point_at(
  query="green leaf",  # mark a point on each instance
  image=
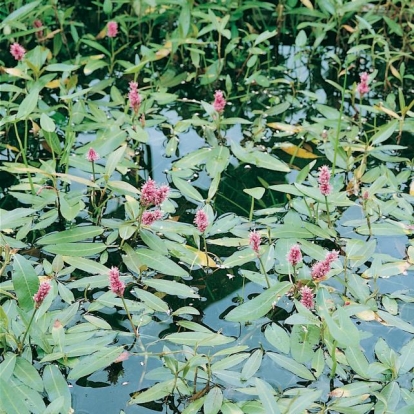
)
(292, 366)
(76, 249)
(158, 262)
(198, 339)
(13, 218)
(7, 366)
(260, 305)
(61, 67)
(73, 235)
(384, 132)
(256, 192)
(213, 401)
(278, 337)
(9, 404)
(56, 386)
(28, 374)
(25, 282)
(217, 161)
(187, 189)
(359, 251)
(252, 365)
(303, 402)
(28, 104)
(406, 357)
(98, 322)
(87, 265)
(95, 362)
(357, 360)
(266, 396)
(396, 321)
(239, 258)
(171, 287)
(156, 392)
(152, 301)
(20, 13)
(56, 406)
(47, 123)
(31, 398)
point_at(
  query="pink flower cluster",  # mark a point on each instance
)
(42, 292)
(112, 29)
(201, 221)
(92, 155)
(151, 194)
(321, 269)
(148, 217)
(295, 255)
(134, 97)
(307, 297)
(324, 178)
(17, 51)
(38, 23)
(254, 241)
(362, 86)
(117, 286)
(219, 101)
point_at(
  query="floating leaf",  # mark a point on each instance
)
(213, 401)
(260, 305)
(75, 249)
(292, 366)
(266, 396)
(158, 262)
(95, 362)
(171, 287)
(156, 392)
(73, 235)
(56, 386)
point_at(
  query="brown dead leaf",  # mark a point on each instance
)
(293, 129)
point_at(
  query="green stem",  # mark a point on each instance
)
(327, 212)
(21, 345)
(264, 271)
(135, 330)
(23, 150)
(251, 210)
(341, 111)
(334, 362)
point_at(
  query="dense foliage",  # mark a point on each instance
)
(217, 196)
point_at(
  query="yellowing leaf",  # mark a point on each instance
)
(16, 72)
(53, 84)
(412, 188)
(285, 127)
(395, 72)
(307, 4)
(348, 28)
(387, 111)
(367, 315)
(292, 149)
(165, 51)
(202, 258)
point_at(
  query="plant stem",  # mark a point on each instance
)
(23, 150)
(21, 345)
(341, 111)
(129, 317)
(264, 271)
(327, 212)
(334, 362)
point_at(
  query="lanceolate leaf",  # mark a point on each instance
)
(25, 282)
(260, 305)
(171, 287)
(95, 362)
(71, 236)
(265, 392)
(56, 386)
(156, 392)
(158, 262)
(8, 402)
(292, 366)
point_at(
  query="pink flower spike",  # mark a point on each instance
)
(321, 269)
(332, 256)
(254, 241)
(116, 285)
(324, 178)
(134, 97)
(153, 195)
(148, 217)
(295, 255)
(17, 51)
(92, 155)
(307, 297)
(201, 221)
(219, 101)
(112, 29)
(362, 86)
(42, 292)
(38, 23)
